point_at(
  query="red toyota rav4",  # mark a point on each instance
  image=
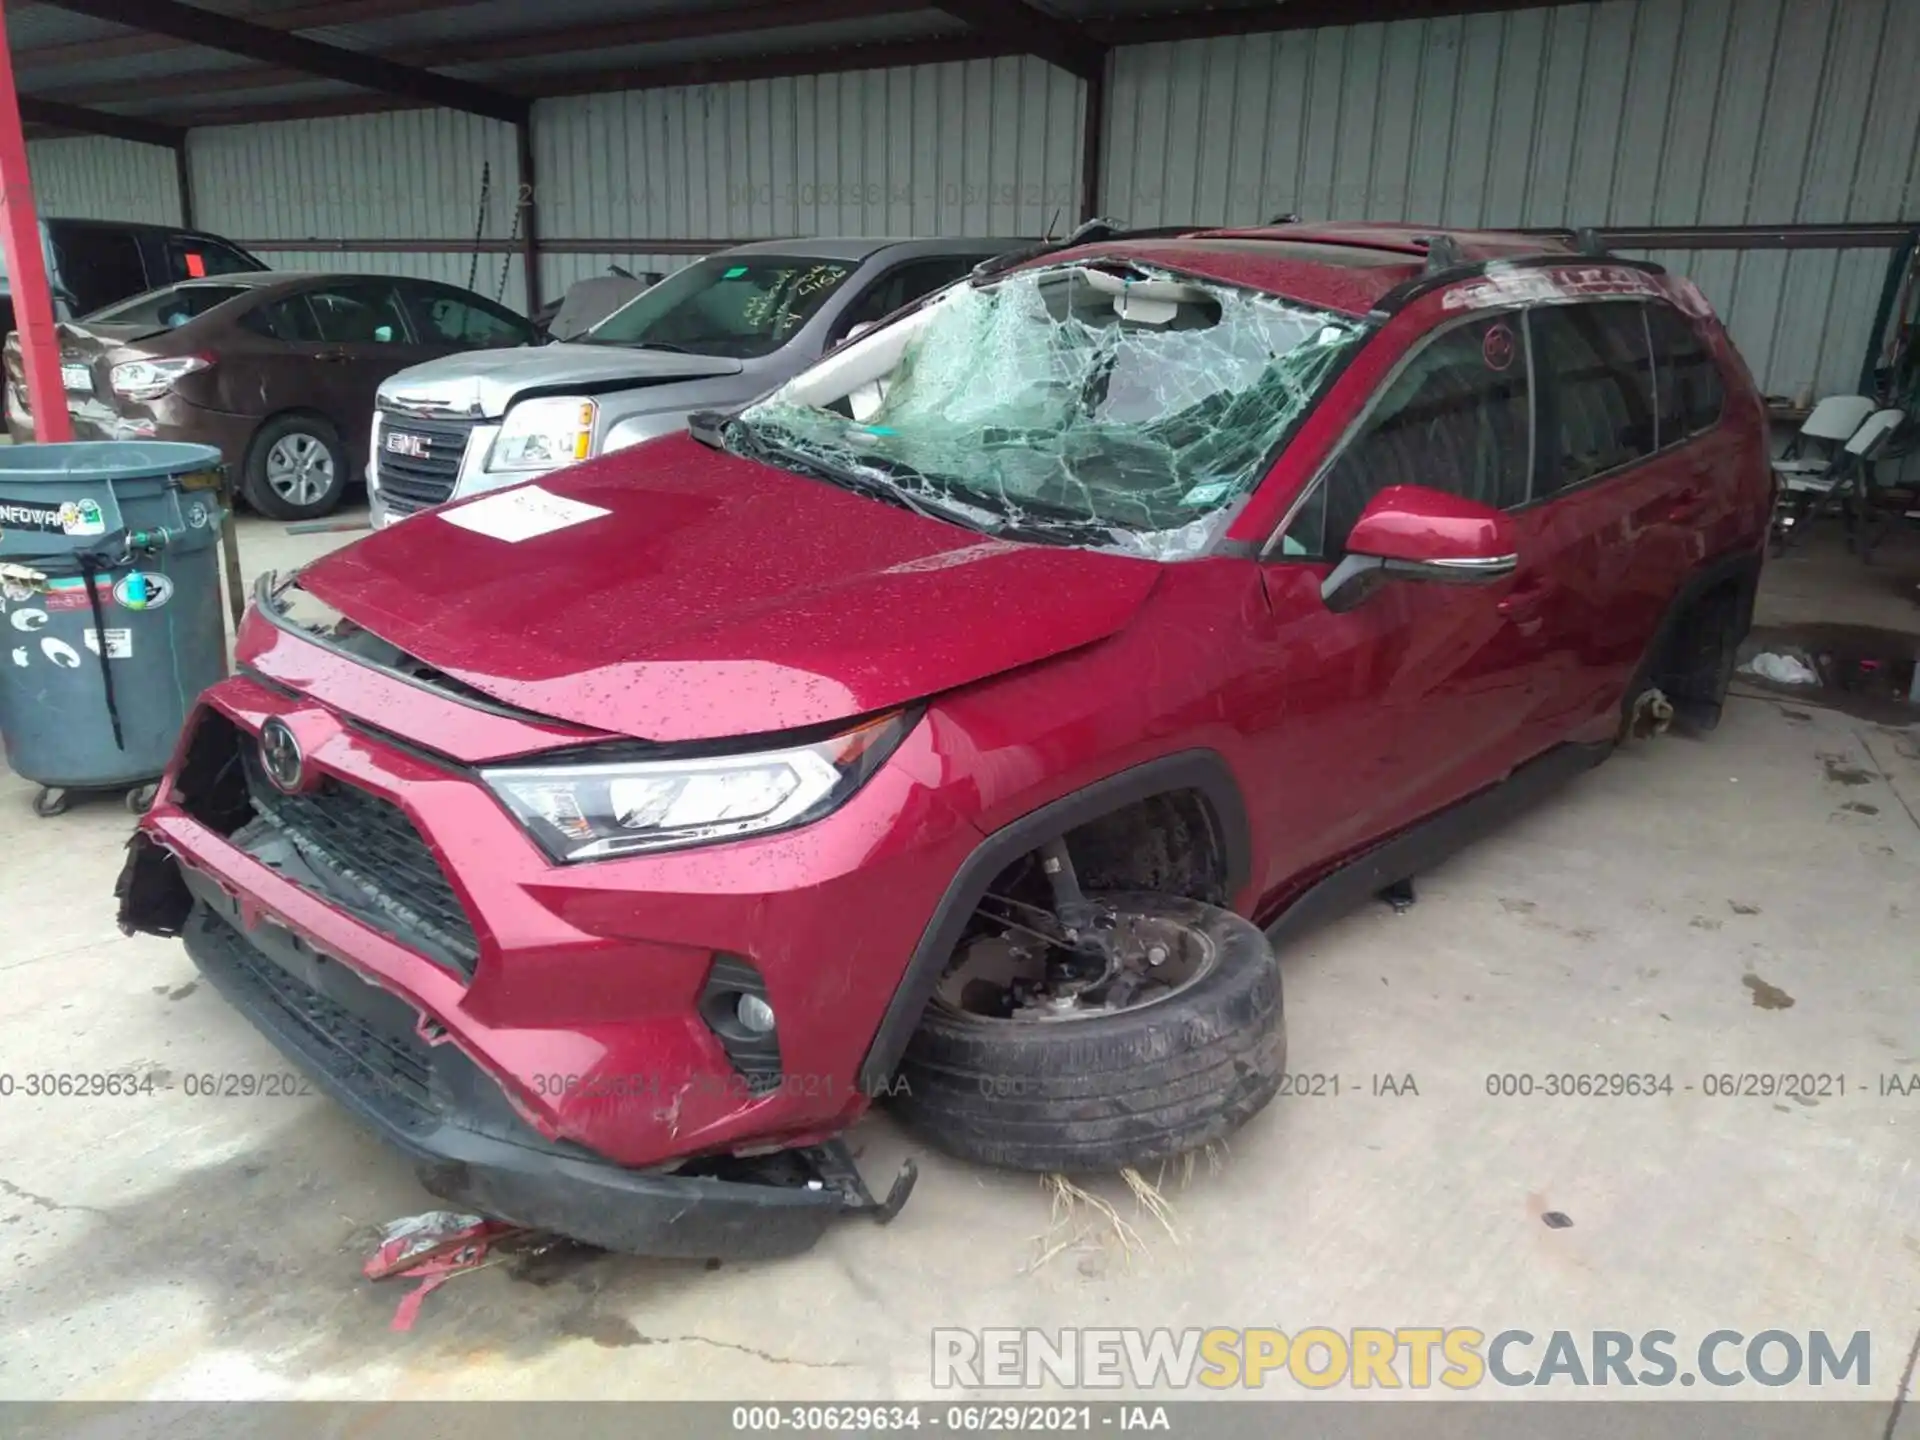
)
(962, 722)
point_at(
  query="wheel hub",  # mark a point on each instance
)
(1119, 961)
(300, 468)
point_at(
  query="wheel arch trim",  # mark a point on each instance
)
(1201, 770)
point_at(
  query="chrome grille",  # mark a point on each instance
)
(412, 482)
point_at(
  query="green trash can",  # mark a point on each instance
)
(110, 621)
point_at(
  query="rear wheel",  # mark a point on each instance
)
(1695, 666)
(296, 468)
(1027, 1062)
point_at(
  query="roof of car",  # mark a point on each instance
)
(261, 279)
(863, 247)
(1341, 267)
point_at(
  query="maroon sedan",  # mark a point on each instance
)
(276, 369)
(961, 722)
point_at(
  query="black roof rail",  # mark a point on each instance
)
(1090, 232)
(1443, 252)
(1431, 279)
(1086, 233)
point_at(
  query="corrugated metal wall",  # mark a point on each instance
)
(411, 174)
(90, 177)
(982, 147)
(1628, 112)
(1624, 112)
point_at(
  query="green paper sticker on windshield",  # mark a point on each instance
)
(735, 273)
(1206, 494)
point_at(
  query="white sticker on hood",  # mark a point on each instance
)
(517, 515)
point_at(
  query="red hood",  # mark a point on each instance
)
(722, 597)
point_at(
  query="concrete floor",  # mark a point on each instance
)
(163, 1246)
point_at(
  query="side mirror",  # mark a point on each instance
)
(858, 330)
(1409, 532)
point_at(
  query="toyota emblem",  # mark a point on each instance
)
(280, 755)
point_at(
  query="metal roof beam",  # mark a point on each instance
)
(39, 58)
(1149, 29)
(651, 29)
(553, 40)
(657, 77)
(1058, 42)
(296, 52)
(99, 122)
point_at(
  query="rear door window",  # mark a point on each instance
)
(1455, 418)
(98, 266)
(290, 319)
(359, 312)
(1596, 411)
(1690, 393)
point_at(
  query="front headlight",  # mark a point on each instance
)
(544, 434)
(592, 811)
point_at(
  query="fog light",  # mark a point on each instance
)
(755, 1014)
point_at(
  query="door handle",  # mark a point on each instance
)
(333, 355)
(1686, 505)
(1526, 594)
(1522, 605)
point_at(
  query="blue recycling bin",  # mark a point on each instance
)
(110, 621)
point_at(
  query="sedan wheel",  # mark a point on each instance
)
(300, 469)
(295, 469)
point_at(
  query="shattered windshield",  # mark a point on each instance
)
(1107, 405)
(732, 305)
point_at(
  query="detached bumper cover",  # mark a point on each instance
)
(373, 1053)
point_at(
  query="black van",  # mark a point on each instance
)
(93, 263)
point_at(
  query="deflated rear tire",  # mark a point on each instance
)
(1104, 1091)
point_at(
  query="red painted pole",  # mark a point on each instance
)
(27, 265)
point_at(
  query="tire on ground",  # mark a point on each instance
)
(1109, 1091)
(259, 492)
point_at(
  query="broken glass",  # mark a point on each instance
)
(1111, 405)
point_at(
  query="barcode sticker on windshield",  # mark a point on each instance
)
(1206, 494)
(521, 514)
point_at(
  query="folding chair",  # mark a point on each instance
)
(1805, 481)
(1868, 445)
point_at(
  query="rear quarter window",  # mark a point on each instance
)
(1690, 392)
(170, 308)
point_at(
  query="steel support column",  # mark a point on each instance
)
(183, 181)
(529, 201)
(1093, 138)
(26, 264)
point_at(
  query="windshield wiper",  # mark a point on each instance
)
(859, 482)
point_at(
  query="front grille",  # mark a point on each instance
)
(370, 845)
(413, 482)
(389, 1060)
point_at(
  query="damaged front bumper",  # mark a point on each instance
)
(395, 1070)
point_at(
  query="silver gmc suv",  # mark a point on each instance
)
(712, 336)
